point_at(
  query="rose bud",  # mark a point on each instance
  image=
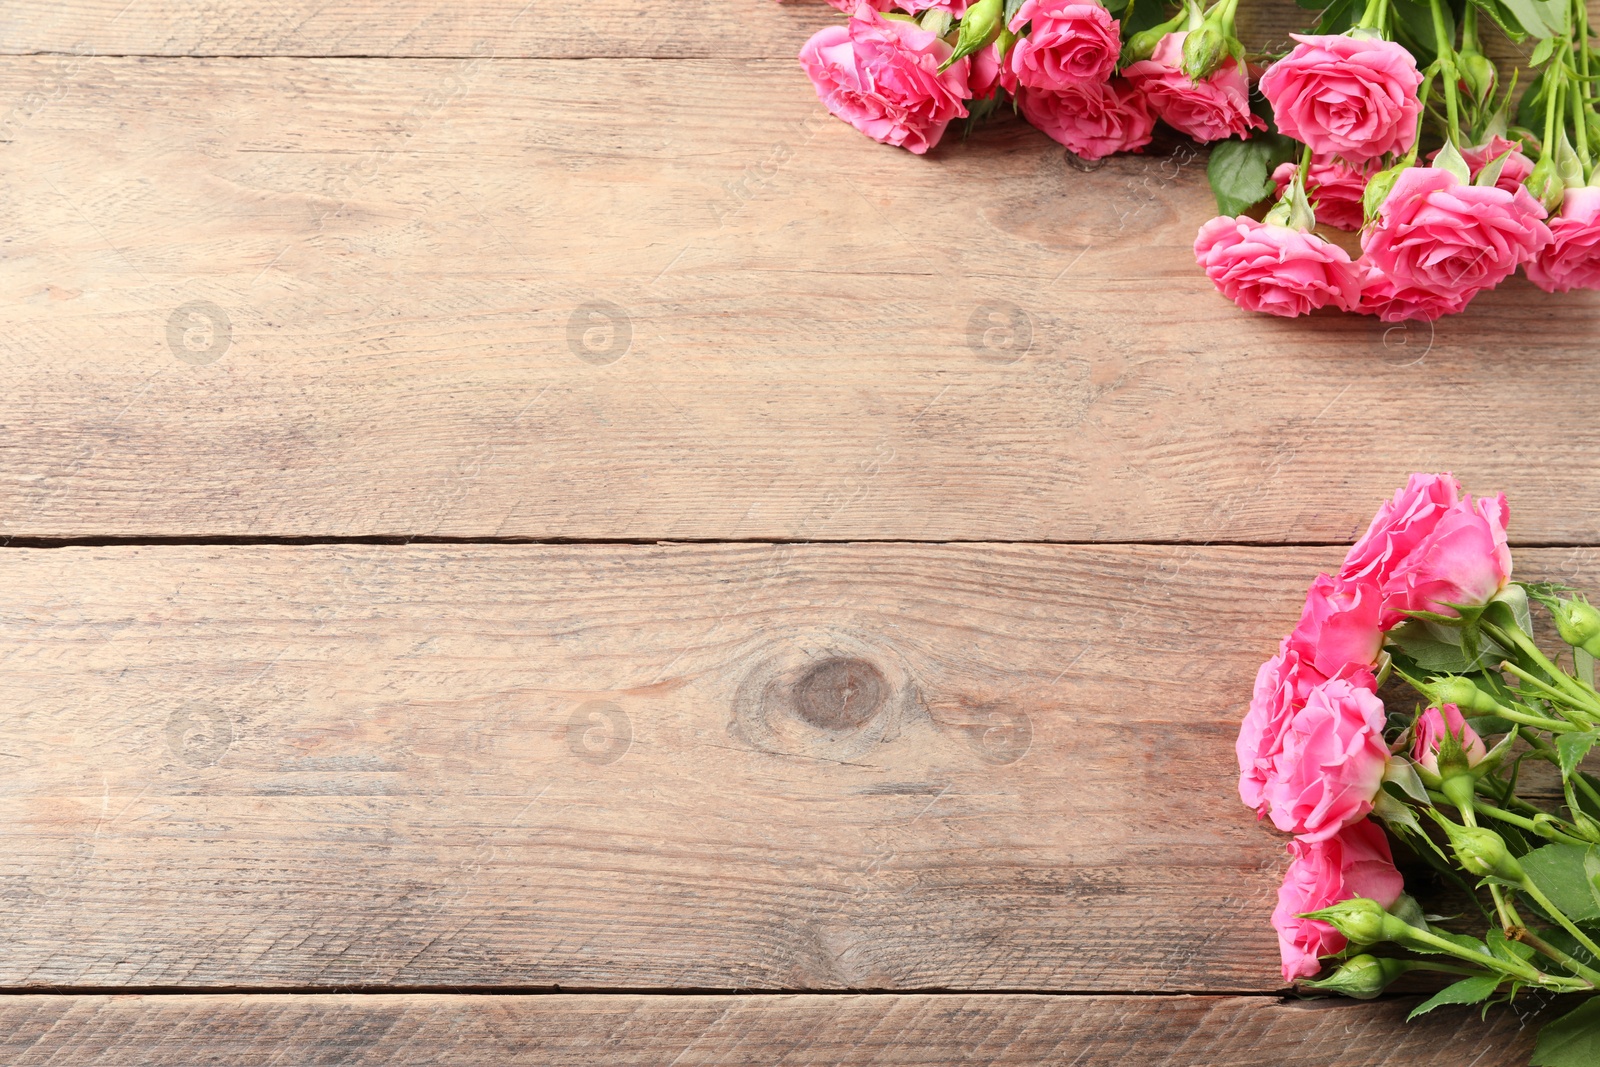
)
(1478, 76)
(1362, 921)
(1462, 693)
(1462, 748)
(1482, 852)
(1578, 623)
(1363, 977)
(1546, 184)
(1203, 49)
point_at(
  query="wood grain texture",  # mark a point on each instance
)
(636, 299)
(774, 1031)
(663, 29)
(714, 767)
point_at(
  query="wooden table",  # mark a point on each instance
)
(527, 542)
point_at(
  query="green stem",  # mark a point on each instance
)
(1581, 128)
(1447, 66)
(1539, 944)
(1375, 17)
(1537, 722)
(1567, 924)
(1524, 643)
(1551, 691)
(1422, 115)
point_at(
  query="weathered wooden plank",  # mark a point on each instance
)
(912, 1029)
(675, 300)
(714, 767)
(506, 28)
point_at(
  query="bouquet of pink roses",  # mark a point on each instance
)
(1333, 133)
(1423, 610)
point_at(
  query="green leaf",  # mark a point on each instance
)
(1541, 18)
(1474, 990)
(1338, 16)
(1571, 748)
(1507, 949)
(1427, 647)
(1011, 8)
(1563, 872)
(1417, 21)
(1572, 1040)
(1241, 171)
(1502, 18)
(1542, 51)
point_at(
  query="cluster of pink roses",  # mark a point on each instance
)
(1431, 237)
(1312, 754)
(893, 78)
(1442, 233)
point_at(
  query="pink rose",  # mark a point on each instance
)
(985, 72)
(1454, 240)
(1335, 188)
(881, 76)
(1350, 96)
(1212, 109)
(1282, 685)
(1338, 628)
(1067, 44)
(1331, 762)
(1572, 259)
(1275, 269)
(1513, 172)
(1356, 862)
(1431, 730)
(1401, 526)
(1093, 119)
(1464, 560)
(1391, 301)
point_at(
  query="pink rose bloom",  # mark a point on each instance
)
(1275, 269)
(1572, 259)
(1338, 629)
(1513, 172)
(1464, 560)
(881, 76)
(1282, 685)
(1331, 762)
(1093, 119)
(1212, 109)
(1455, 240)
(1431, 729)
(1390, 301)
(1355, 862)
(985, 72)
(1334, 187)
(1348, 96)
(1430, 547)
(1067, 44)
(1401, 526)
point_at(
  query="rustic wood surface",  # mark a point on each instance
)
(646, 299)
(762, 766)
(507, 271)
(914, 1030)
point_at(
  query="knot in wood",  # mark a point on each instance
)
(840, 693)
